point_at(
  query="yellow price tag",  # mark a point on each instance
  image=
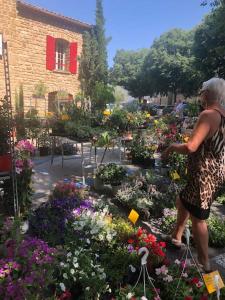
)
(209, 280)
(133, 216)
(175, 175)
(186, 139)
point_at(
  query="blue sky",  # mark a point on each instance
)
(132, 24)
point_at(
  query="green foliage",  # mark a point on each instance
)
(78, 131)
(19, 116)
(32, 123)
(169, 65)
(140, 151)
(87, 66)
(209, 45)
(4, 136)
(192, 109)
(216, 227)
(101, 95)
(123, 228)
(40, 90)
(221, 199)
(111, 174)
(127, 65)
(118, 120)
(102, 41)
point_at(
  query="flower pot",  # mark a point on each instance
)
(44, 151)
(5, 163)
(98, 184)
(115, 189)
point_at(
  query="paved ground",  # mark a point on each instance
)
(47, 174)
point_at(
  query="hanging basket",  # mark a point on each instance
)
(5, 163)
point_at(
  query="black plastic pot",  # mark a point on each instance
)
(145, 163)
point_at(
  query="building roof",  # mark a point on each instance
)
(83, 25)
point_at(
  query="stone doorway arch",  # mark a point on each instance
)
(58, 99)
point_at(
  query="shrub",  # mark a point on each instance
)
(111, 174)
(216, 231)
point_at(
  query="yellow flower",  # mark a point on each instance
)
(175, 176)
(148, 115)
(49, 114)
(65, 117)
(106, 112)
(156, 122)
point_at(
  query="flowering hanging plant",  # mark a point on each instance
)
(144, 239)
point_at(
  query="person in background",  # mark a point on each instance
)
(144, 106)
(205, 169)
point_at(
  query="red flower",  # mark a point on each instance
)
(188, 298)
(139, 232)
(195, 280)
(130, 241)
(151, 238)
(162, 244)
(65, 296)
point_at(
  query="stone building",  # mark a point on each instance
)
(43, 49)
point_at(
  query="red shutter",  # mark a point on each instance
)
(50, 53)
(73, 58)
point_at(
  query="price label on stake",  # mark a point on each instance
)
(175, 175)
(133, 216)
(209, 280)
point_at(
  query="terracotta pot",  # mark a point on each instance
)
(5, 163)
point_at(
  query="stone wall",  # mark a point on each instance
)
(26, 31)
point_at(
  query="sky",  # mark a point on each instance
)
(132, 24)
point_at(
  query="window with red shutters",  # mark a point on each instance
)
(61, 55)
(50, 53)
(73, 58)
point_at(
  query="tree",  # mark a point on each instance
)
(102, 41)
(209, 44)
(88, 62)
(19, 116)
(126, 69)
(169, 65)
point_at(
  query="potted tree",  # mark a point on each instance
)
(5, 157)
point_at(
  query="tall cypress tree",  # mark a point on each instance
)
(101, 62)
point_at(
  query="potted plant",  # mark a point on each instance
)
(111, 174)
(44, 143)
(141, 153)
(5, 158)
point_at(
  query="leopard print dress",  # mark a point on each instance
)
(205, 171)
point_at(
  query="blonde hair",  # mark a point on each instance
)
(216, 87)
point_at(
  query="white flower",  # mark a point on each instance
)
(62, 286)
(74, 259)
(129, 295)
(168, 278)
(177, 262)
(88, 241)
(72, 271)
(185, 275)
(143, 298)
(62, 264)
(76, 265)
(87, 288)
(65, 276)
(69, 254)
(101, 237)
(93, 274)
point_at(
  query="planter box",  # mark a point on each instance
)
(5, 163)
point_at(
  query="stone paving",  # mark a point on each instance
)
(46, 175)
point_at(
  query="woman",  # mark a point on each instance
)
(205, 150)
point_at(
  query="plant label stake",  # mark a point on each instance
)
(145, 271)
(214, 283)
(133, 216)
